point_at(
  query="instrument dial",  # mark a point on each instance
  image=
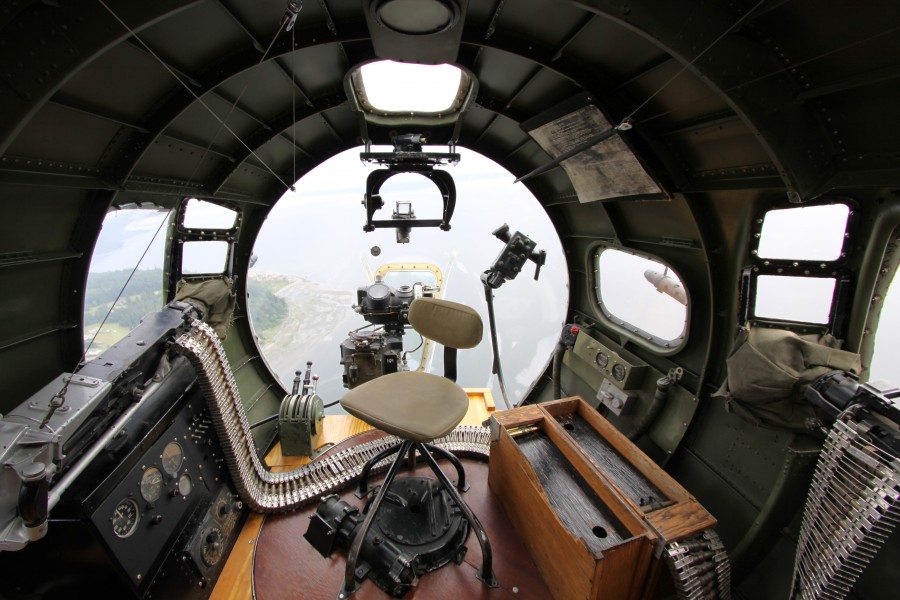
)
(172, 458)
(151, 484)
(618, 372)
(602, 359)
(125, 517)
(185, 484)
(212, 546)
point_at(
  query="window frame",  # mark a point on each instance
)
(653, 343)
(356, 93)
(884, 279)
(179, 234)
(838, 315)
(89, 345)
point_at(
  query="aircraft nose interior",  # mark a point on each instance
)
(717, 190)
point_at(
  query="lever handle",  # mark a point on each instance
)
(539, 258)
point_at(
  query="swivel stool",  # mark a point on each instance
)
(418, 408)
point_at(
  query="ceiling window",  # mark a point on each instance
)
(642, 296)
(389, 88)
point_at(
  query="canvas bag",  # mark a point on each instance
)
(768, 370)
(214, 297)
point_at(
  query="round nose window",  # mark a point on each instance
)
(314, 296)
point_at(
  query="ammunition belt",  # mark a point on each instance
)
(699, 567)
(852, 507)
(268, 492)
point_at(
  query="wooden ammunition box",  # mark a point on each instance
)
(594, 511)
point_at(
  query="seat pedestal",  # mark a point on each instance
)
(353, 575)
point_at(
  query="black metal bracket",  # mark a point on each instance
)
(442, 179)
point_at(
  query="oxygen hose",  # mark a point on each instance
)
(566, 341)
(659, 401)
(557, 368)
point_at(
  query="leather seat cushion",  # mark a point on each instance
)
(411, 405)
(448, 323)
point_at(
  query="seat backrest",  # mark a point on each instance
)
(450, 324)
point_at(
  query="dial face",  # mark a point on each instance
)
(172, 457)
(212, 546)
(125, 517)
(618, 372)
(602, 359)
(151, 484)
(185, 485)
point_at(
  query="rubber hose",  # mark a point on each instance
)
(659, 401)
(557, 368)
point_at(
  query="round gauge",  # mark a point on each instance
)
(618, 372)
(602, 359)
(125, 517)
(172, 457)
(151, 484)
(185, 485)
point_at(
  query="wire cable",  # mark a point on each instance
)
(194, 94)
(791, 67)
(695, 59)
(60, 397)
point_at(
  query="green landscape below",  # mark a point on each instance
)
(143, 295)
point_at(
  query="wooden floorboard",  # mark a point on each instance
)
(235, 581)
(286, 566)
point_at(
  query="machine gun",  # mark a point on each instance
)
(839, 392)
(854, 501)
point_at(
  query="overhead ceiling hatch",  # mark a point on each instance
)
(388, 87)
(395, 94)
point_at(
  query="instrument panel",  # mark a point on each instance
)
(624, 371)
(152, 516)
(169, 502)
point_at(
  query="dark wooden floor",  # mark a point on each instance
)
(286, 566)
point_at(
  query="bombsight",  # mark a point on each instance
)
(370, 353)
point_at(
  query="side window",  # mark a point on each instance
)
(796, 275)
(804, 233)
(205, 238)
(643, 297)
(125, 279)
(804, 299)
(199, 214)
(204, 258)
